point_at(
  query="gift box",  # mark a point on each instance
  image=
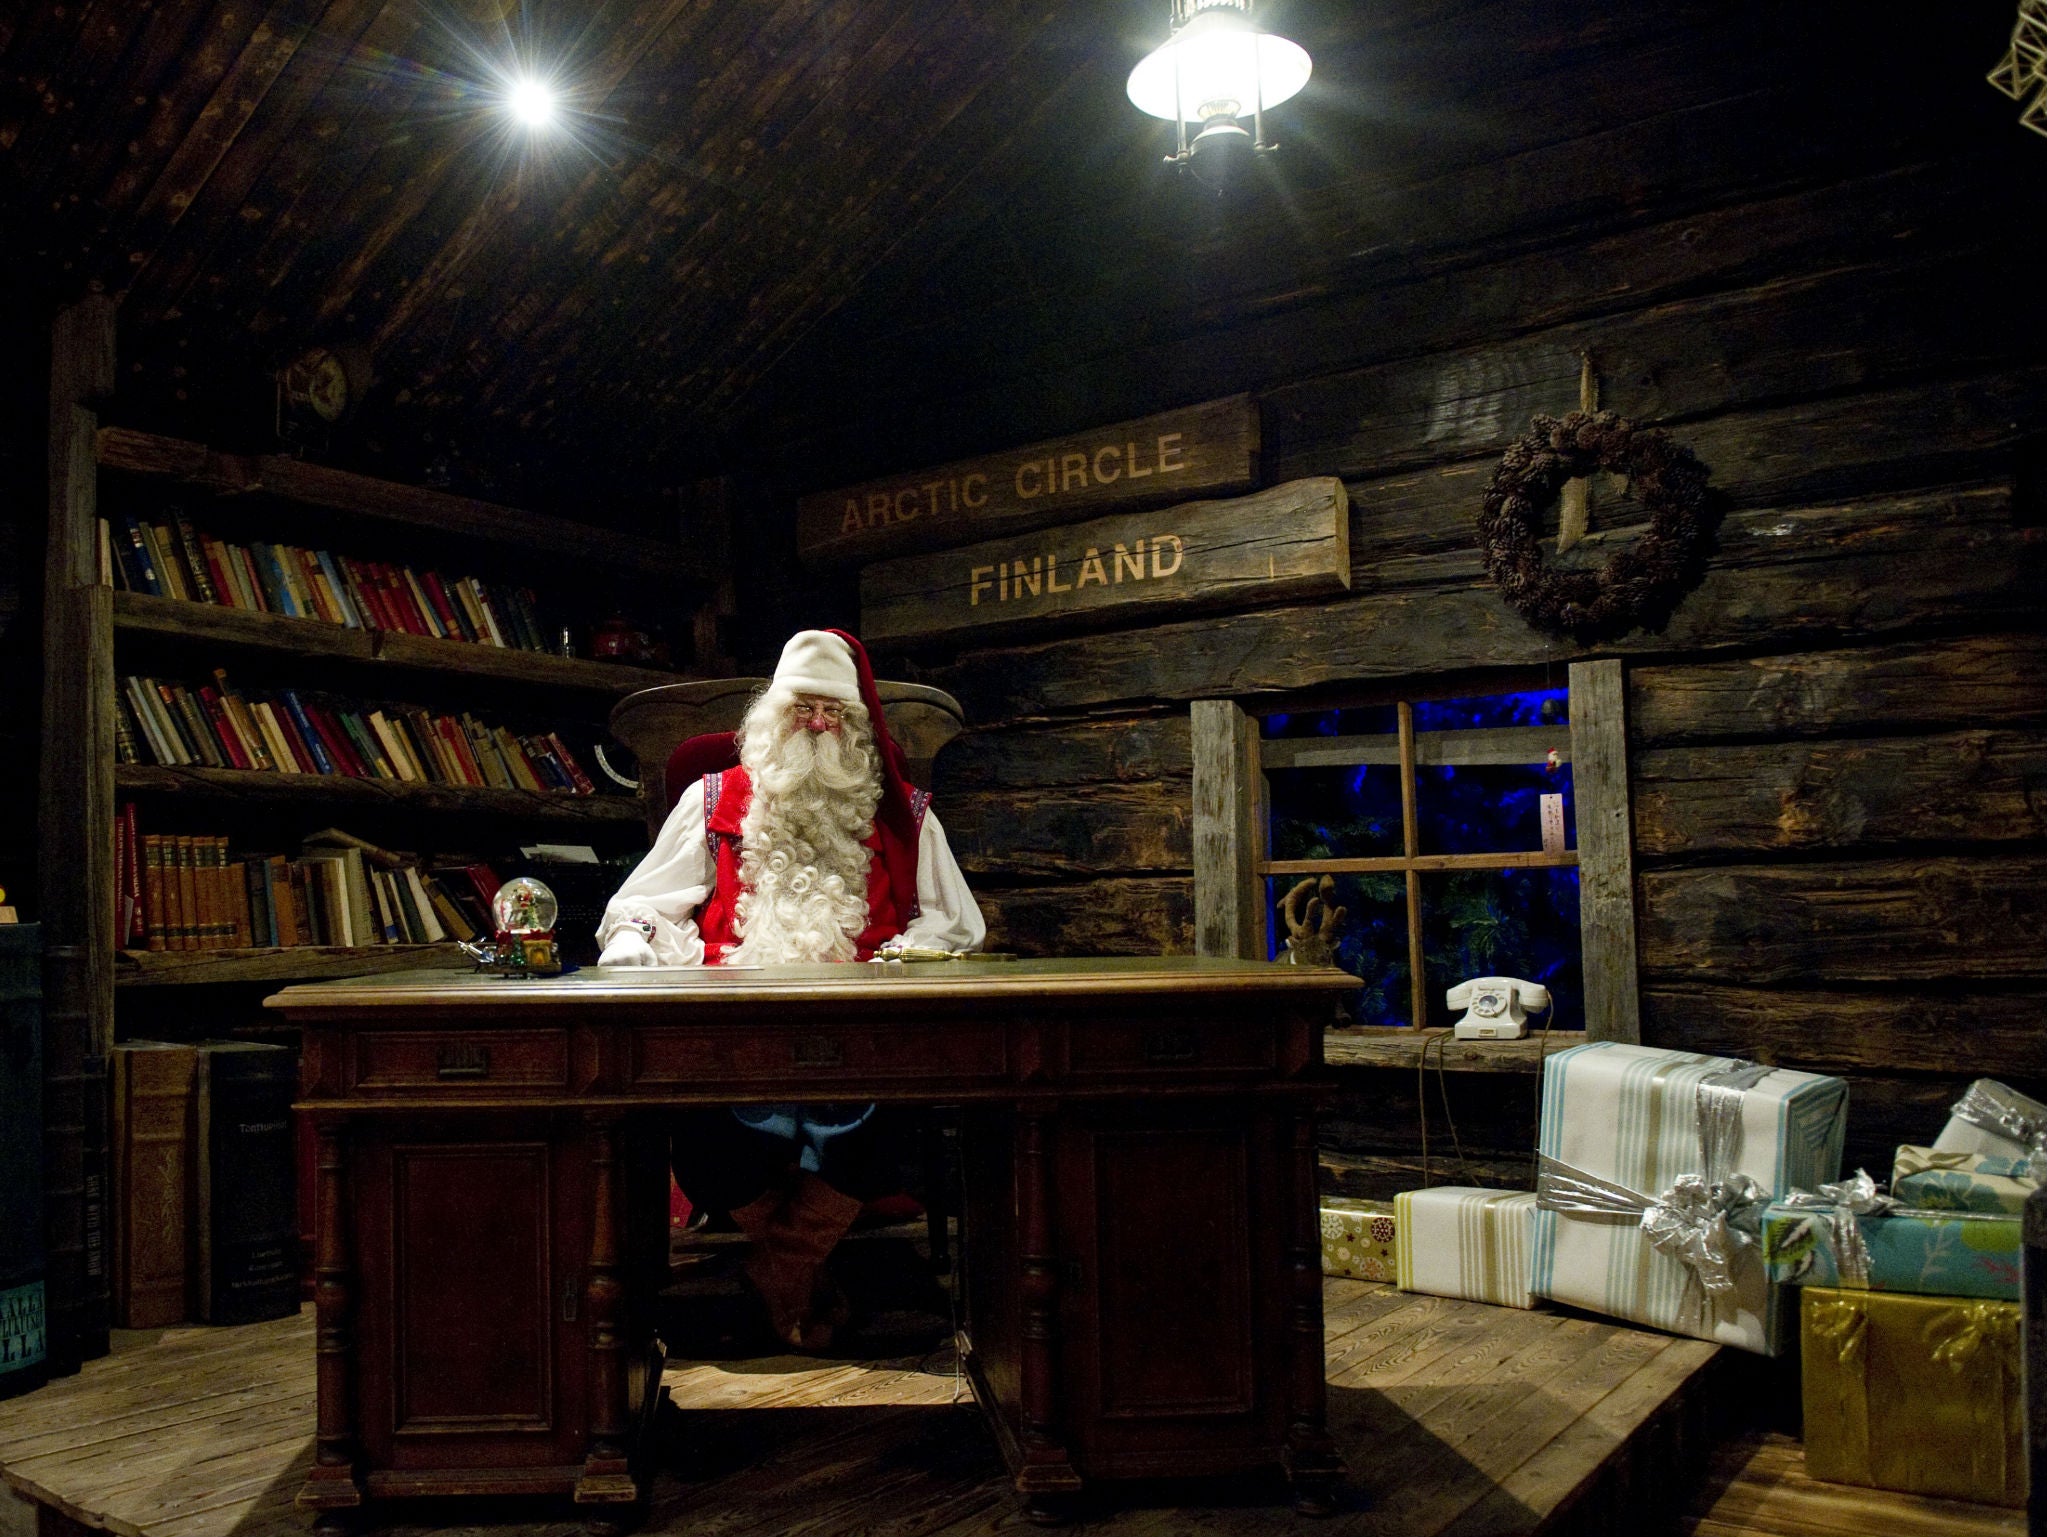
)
(1357, 1239)
(1918, 1394)
(1929, 1253)
(1932, 1180)
(1654, 1169)
(1993, 1118)
(1460, 1241)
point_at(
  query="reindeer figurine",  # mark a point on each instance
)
(1312, 921)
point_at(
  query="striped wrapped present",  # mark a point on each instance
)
(1357, 1239)
(1460, 1241)
(1653, 1171)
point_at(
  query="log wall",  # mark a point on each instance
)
(1837, 746)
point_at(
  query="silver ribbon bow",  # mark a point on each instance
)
(1840, 1203)
(2003, 1111)
(1703, 1221)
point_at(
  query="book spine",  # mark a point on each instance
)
(584, 784)
(422, 602)
(252, 578)
(204, 746)
(195, 559)
(303, 725)
(136, 932)
(145, 563)
(245, 1215)
(184, 896)
(156, 932)
(339, 588)
(217, 568)
(152, 1095)
(223, 728)
(451, 625)
(488, 607)
(157, 537)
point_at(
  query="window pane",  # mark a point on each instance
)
(1504, 923)
(1482, 769)
(1345, 810)
(1371, 943)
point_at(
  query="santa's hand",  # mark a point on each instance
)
(628, 947)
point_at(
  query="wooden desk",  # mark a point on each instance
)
(1144, 1288)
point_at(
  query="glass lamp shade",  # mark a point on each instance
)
(1216, 65)
(525, 906)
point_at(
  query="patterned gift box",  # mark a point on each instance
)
(1932, 1180)
(1918, 1394)
(1357, 1239)
(1695, 1145)
(1993, 1118)
(1928, 1253)
(1460, 1241)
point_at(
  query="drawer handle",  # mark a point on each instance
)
(1173, 1043)
(464, 1061)
(817, 1051)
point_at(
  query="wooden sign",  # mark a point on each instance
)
(1195, 451)
(1292, 541)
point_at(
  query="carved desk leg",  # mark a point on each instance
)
(607, 1479)
(1047, 1480)
(1311, 1457)
(333, 1488)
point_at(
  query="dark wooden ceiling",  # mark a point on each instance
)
(847, 231)
(252, 177)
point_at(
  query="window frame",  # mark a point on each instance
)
(1231, 828)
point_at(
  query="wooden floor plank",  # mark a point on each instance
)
(1759, 1488)
(1459, 1420)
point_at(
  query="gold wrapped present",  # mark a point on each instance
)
(1357, 1239)
(1918, 1394)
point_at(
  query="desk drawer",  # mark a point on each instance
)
(498, 1059)
(1171, 1046)
(813, 1059)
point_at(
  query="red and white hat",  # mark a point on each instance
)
(821, 662)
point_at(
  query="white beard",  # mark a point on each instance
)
(802, 865)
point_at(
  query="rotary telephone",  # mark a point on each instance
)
(1498, 1007)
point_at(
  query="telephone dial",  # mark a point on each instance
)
(1497, 1008)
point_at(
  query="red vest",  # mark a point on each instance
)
(891, 870)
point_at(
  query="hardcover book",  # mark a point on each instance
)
(245, 1209)
(23, 1344)
(152, 1093)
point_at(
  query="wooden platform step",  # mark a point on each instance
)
(1457, 1419)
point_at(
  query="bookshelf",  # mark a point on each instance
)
(96, 634)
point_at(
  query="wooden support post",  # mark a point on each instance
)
(1047, 1479)
(1229, 897)
(333, 1485)
(1312, 1461)
(76, 845)
(1606, 862)
(607, 1478)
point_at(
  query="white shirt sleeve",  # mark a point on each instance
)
(669, 886)
(950, 918)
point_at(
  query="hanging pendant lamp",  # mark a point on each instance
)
(1214, 68)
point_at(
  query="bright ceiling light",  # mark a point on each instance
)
(1215, 67)
(531, 102)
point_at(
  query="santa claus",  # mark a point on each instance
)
(815, 848)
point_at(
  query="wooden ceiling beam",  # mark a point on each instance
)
(708, 283)
(730, 152)
(633, 29)
(517, 270)
(311, 165)
(222, 198)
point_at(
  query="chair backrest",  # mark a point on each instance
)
(694, 757)
(652, 721)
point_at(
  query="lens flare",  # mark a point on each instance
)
(531, 102)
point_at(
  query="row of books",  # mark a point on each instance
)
(293, 731)
(174, 560)
(187, 891)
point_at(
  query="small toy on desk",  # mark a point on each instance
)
(525, 911)
(1497, 1007)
